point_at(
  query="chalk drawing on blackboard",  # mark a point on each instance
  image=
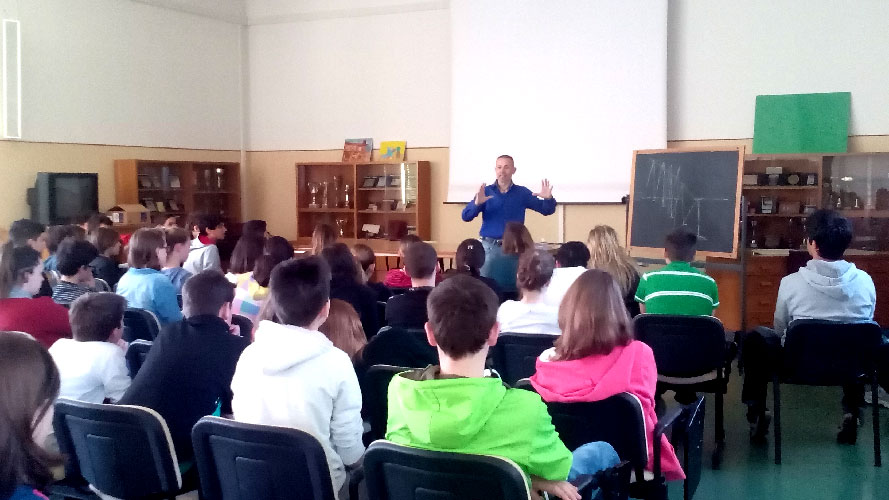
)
(664, 186)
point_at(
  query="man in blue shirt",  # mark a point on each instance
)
(503, 202)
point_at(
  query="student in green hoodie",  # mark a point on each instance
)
(457, 407)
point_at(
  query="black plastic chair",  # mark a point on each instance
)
(136, 354)
(376, 390)
(619, 421)
(123, 451)
(691, 354)
(244, 325)
(395, 472)
(239, 461)
(515, 354)
(140, 324)
(829, 353)
(400, 347)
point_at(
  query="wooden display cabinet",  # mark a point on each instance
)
(350, 195)
(181, 188)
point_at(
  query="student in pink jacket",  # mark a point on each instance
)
(596, 358)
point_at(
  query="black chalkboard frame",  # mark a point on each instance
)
(655, 252)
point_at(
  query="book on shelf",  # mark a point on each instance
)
(392, 150)
(358, 150)
(174, 181)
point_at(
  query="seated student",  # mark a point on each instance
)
(456, 407)
(571, 261)
(73, 264)
(502, 268)
(190, 366)
(26, 413)
(828, 288)
(368, 262)
(678, 288)
(408, 310)
(343, 328)
(25, 232)
(178, 247)
(345, 285)
(531, 314)
(21, 275)
(596, 358)
(607, 254)
(105, 266)
(92, 364)
(204, 254)
(469, 259)
(94, 221)
(251, 289)
(398, 278)
(323, 236)
(248, 248)
(143, 285)
(293, 376)
(55, 235)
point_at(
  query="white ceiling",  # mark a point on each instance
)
(232, 11)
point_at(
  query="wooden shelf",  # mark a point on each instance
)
(787, 216)
(864, 213)
(390, 188)
(388, 212)
(327, 210)
(789, 188)
(215, 192)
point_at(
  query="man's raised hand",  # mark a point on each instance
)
(546, 189)
(481, 197)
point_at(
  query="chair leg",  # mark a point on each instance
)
(719, 430)
(878, 459)
(776, 392)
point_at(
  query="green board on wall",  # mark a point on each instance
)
(802, 123)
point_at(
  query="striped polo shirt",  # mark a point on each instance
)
(678, 288)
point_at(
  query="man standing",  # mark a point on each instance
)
(503, 202)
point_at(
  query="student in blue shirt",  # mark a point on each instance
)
(143, 285)
(503, 202)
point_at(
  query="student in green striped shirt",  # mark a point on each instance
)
(678, 288)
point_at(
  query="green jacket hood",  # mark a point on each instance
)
(449, 412)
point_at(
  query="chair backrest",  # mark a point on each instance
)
(395, 472)
(376, 391)
(244, 324)
(818, 352)
(239, 461)
(123, 451)
(136, 354)
(515, 354)
(400, 347)
(140, 324)
(617, 420)
(102, 285)
(684, 346)
(688, 442)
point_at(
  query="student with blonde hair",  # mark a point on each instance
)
(322, 237)
(596, 358)
(607, 254)
(343, 328)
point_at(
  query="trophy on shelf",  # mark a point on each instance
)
(220, 180)
(337, 187)
(325, 190)
(341, 226)
(314, 189)
(347, 196)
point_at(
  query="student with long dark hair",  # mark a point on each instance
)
(596, 358)
(469, 259)
(251, 289)
(29, 386)
(346, 285)
(21, 276)
(248, 248)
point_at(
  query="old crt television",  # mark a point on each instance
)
(59, 198)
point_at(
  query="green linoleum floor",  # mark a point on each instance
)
(814, 465)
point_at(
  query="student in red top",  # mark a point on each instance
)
(21, 274)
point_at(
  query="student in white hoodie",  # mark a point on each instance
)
(827, 288)
(293, 376)
(203, 254)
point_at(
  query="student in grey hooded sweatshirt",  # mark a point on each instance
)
(827, 288)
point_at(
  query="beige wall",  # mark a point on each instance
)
(269, 183)
(20, 162)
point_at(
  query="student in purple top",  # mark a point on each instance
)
(503, 202)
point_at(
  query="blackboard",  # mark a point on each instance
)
(694, 188)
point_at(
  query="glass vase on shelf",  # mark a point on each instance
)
(337, 187)
(325, 194)
(347, 196)
(220, 179)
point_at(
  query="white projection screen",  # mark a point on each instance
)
(569, 88)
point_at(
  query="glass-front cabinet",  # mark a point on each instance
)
(857, 185)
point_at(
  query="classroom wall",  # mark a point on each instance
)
(126, 73)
